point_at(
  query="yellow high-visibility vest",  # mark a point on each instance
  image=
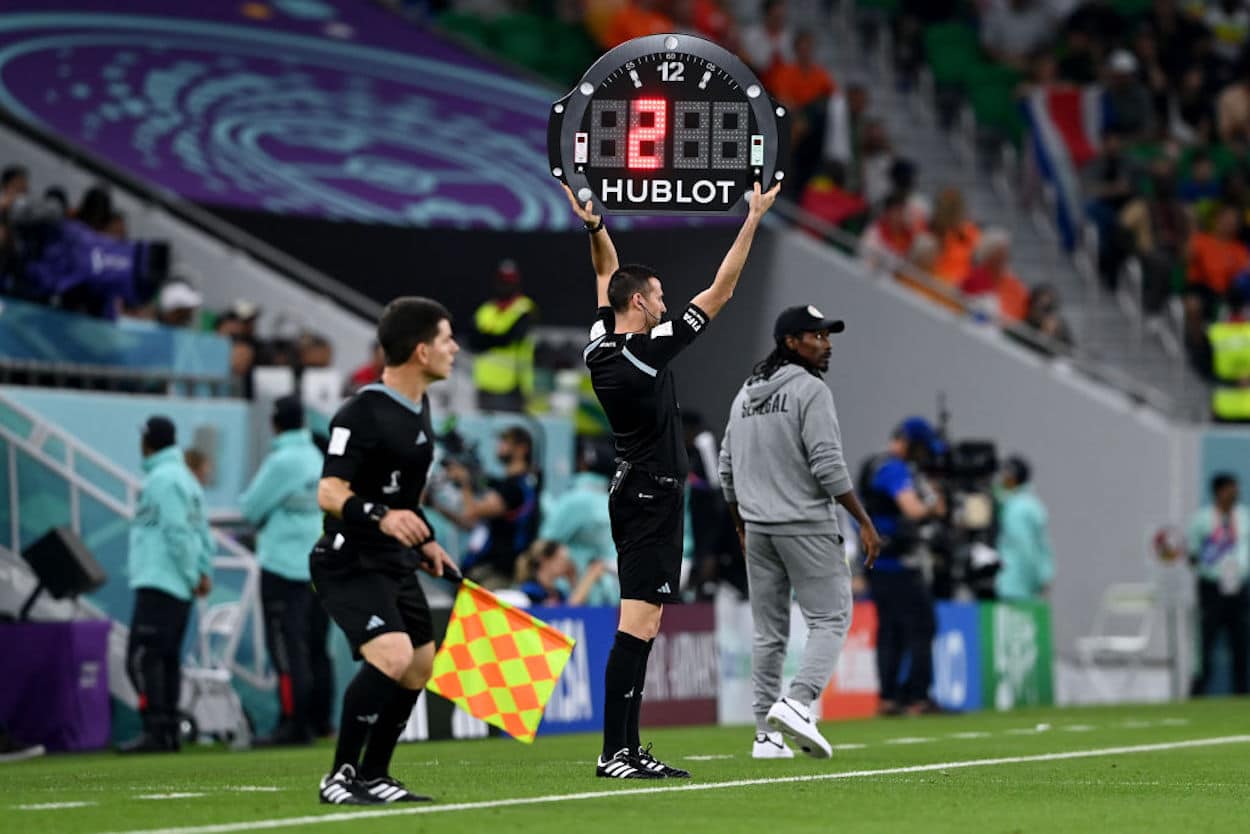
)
(507, 368)
(1230, 350)
(1231, 403)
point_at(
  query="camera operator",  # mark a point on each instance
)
(509, 508)
(899, 500)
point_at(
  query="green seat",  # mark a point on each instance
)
(521, 38)
(466, 26)
(991, 93)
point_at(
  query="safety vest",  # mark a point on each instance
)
(1230, 350)
(504, 369)
(1231, 404)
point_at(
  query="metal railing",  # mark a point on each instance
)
(1090, 367)
(37, 442)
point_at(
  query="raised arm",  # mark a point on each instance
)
(602, 252)
(717, 296)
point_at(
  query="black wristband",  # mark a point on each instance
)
(592, 229)
(357, 510)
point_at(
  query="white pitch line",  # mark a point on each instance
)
(293, 822)
(708, 758)
(1023, 731)
(1174, 722)
(849, 746)
(53, 806)
(1079, 728)
(254, 789)
(168, 795)
(970, 734)
(908, 740)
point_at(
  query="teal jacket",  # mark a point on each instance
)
(579, 520)
(281, 501)
(1220, 547)
(171, 545)
(1023, 546)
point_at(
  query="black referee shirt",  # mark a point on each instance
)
(635, 386)
(382, 444)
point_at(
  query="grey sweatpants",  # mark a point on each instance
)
(815, 568)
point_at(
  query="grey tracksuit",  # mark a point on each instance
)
(781, 462)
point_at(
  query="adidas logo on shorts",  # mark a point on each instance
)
(376, 622)
(664, 589)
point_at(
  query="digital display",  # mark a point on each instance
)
(667, 124)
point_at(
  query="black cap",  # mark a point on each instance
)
(288, 413)
(159, 433)
(796, 320)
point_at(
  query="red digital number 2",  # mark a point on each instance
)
(653, 134)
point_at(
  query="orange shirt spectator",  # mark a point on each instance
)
(992, 279)
(954, 260)
(635, 20)
(798, 85)
(891, 234)
(1216, 259)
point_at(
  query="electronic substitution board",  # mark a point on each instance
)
(668, 124)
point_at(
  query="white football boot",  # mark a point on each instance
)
(795, 720)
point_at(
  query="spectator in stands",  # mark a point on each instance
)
(315, 351)
(636, 19)
(1155, 228)
(14, 184)
(1128, 105)
(367, 373)
(547, 575)
(771, 40)
(238, 321)
(1191, 115)
(201, 466)
(578, 519)
(1028, 564)
(957, 237)
(95, 209)
(178, 304)
(170, 561)
(890, 237)
(1108, 187)
(242, 361)
(1012, 31)
(1232, 106)
(805, 87)
(827, 197)
(1176, 34)
(993, 288)
(508, 510)
(501, 338)
(1215, 258)
(707, 19)
(1219, 548)
(848, 113)
(923, 257)
(1044, 316)
(116, 227)
(881, 170)
(1202, 186)
(281, 502)
(1229, 22)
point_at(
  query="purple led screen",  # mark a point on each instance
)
(338, 110)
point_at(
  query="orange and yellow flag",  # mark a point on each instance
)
(498, 663)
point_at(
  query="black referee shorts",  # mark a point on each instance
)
(648, 518)
(366, 603)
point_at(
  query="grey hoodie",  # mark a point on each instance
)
(781, 460)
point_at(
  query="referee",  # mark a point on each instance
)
(781, 468)
(631, 346)
(363, 568)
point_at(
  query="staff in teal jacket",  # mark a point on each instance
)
(1028, 566)
(170, 561)
(281, 502)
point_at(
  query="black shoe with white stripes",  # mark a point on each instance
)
(654, 765)
(625, 765)
(389, 789)
(343, 788)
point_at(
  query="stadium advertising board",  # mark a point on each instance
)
(1016, 655)
(682, 677)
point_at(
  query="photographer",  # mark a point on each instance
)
(898, 501)
(508, 507)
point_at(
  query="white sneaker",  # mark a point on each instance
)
(771, 746)
(795, 720)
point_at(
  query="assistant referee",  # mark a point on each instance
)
(363, 568)
(631, 346)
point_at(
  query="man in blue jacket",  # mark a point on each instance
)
(281, 502)
(170, 561)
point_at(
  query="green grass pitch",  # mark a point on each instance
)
(1167, 768)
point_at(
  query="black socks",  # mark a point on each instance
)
(632, 739)
(622, 692)
(366, 699)
(386, 733)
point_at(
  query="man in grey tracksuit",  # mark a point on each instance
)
(781, 468)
